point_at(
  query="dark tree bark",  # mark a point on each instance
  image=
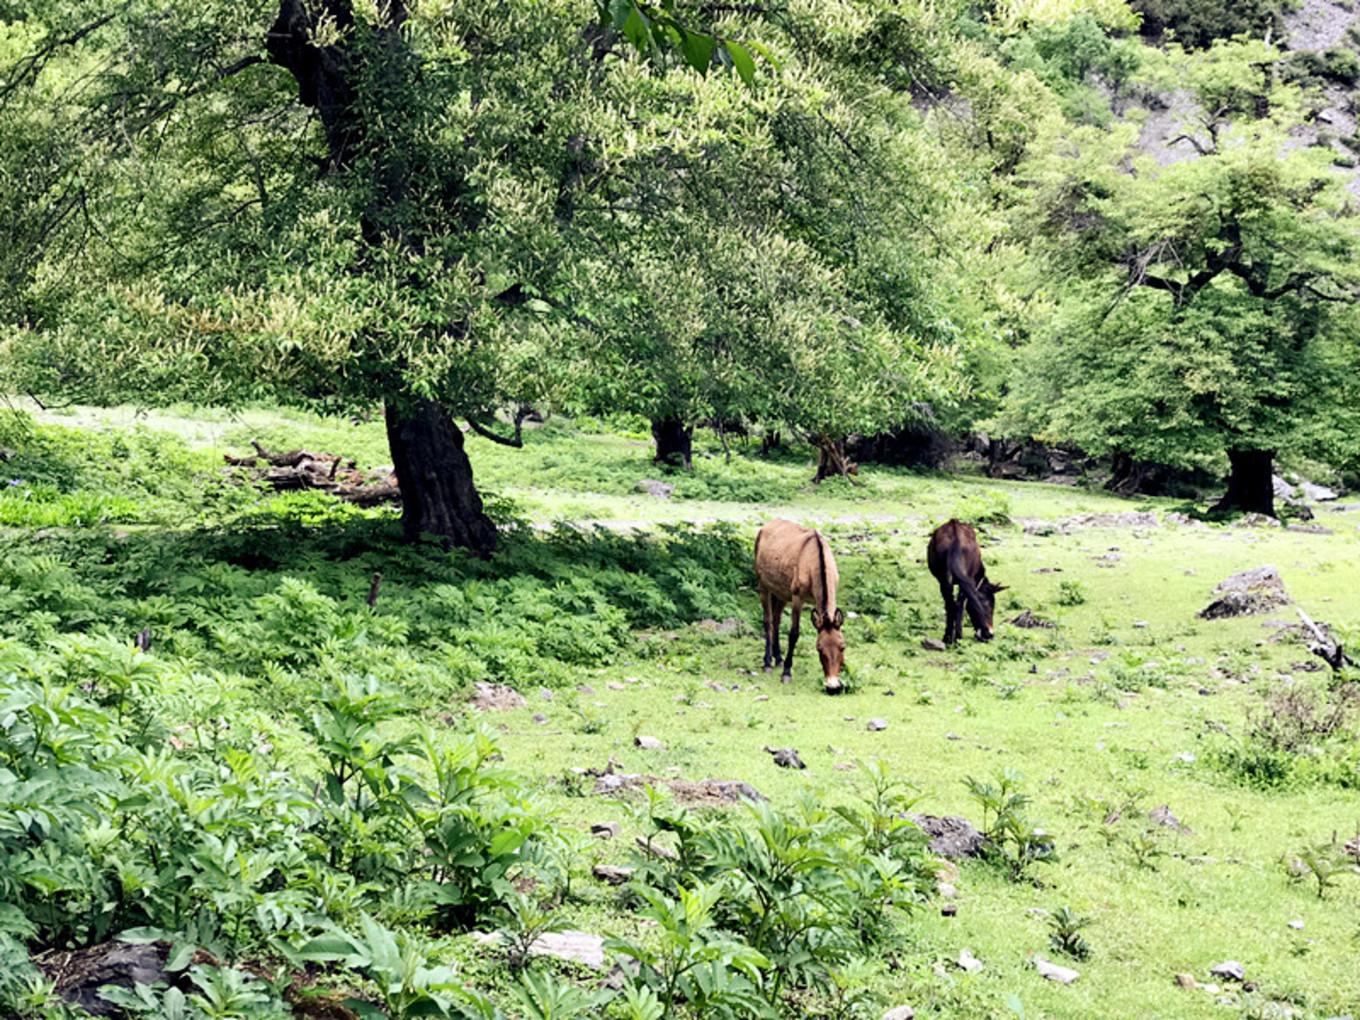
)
(435, 477)
(673, 442)
(832, 460)
(1250, 485)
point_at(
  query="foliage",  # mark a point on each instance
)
(1065, 933)
(1208, 300)
(1011, 838)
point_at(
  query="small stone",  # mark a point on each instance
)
(540, 719)
(762, 697)
(952, 736)
(1162, 816)
(967, 961)
(586, 689)
(786, 757)
(611, 874)
(900, 1013)
(649, 743)
(1230, 970)
(947, 891)
(876, 724)
(605, 830)
(1211, 989)
(1296, 925)
(1140, 624)
(614, 685)
(1186, 980)
(931, 644)
(1053, 972)
(656, 849)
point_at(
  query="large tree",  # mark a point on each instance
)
(1203, 309)
(429, 205)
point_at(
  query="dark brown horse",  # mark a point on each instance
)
(794, 565)
(955, 559)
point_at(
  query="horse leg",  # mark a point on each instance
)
(767, 604)
(947, 591)
(958, 616)
(795, 614)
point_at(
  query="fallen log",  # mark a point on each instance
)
(1331, 653)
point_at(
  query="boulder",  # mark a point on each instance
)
(949, 836)
(1259, 590)
(495, 697)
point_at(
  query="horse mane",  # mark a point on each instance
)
(821, 562)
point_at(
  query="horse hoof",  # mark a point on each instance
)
(769, 669)
(786, 678)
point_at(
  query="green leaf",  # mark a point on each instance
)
(742, 62)
(698, 50)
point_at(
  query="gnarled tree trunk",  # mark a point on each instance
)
(1251, 484)
(435, 476)
(832, 460)
(673, 442)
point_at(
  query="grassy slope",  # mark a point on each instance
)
(1083, 745)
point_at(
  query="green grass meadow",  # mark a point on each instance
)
(612, 612)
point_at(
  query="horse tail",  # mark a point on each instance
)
(960, 575)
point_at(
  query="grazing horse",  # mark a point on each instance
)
(794, 565)
(955, 559)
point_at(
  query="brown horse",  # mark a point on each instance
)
(954, 559)
(794, 565)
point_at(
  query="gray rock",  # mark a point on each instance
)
(652, 849)
(875, 725)
(79, 975)
(949, 836)
(900, 1013)
(1296, 925)
(577, 946)
(1253, 591)
(495, 697)
(612, 874)
(947, 891)
(649, 743)
(1163, 816)
(1062, 975)
(540, 719)
(1230, 970)
(932, 644)
(614, 685)
(605, 830)
(786, 757)
(967, 961)
(655, 487)
(1265, 577)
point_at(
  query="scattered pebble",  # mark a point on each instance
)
(967, 961)
(649, 743)
(605, 830)
(900, 1013)
(1229, 969)
(614, 685)
(1186, 980)
(1053, 972)
(540, 719)
(585, 689)
(876, 724)
(612, 874)
(1296, 925)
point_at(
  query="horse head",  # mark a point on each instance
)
(830, 646)
(982, 621)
